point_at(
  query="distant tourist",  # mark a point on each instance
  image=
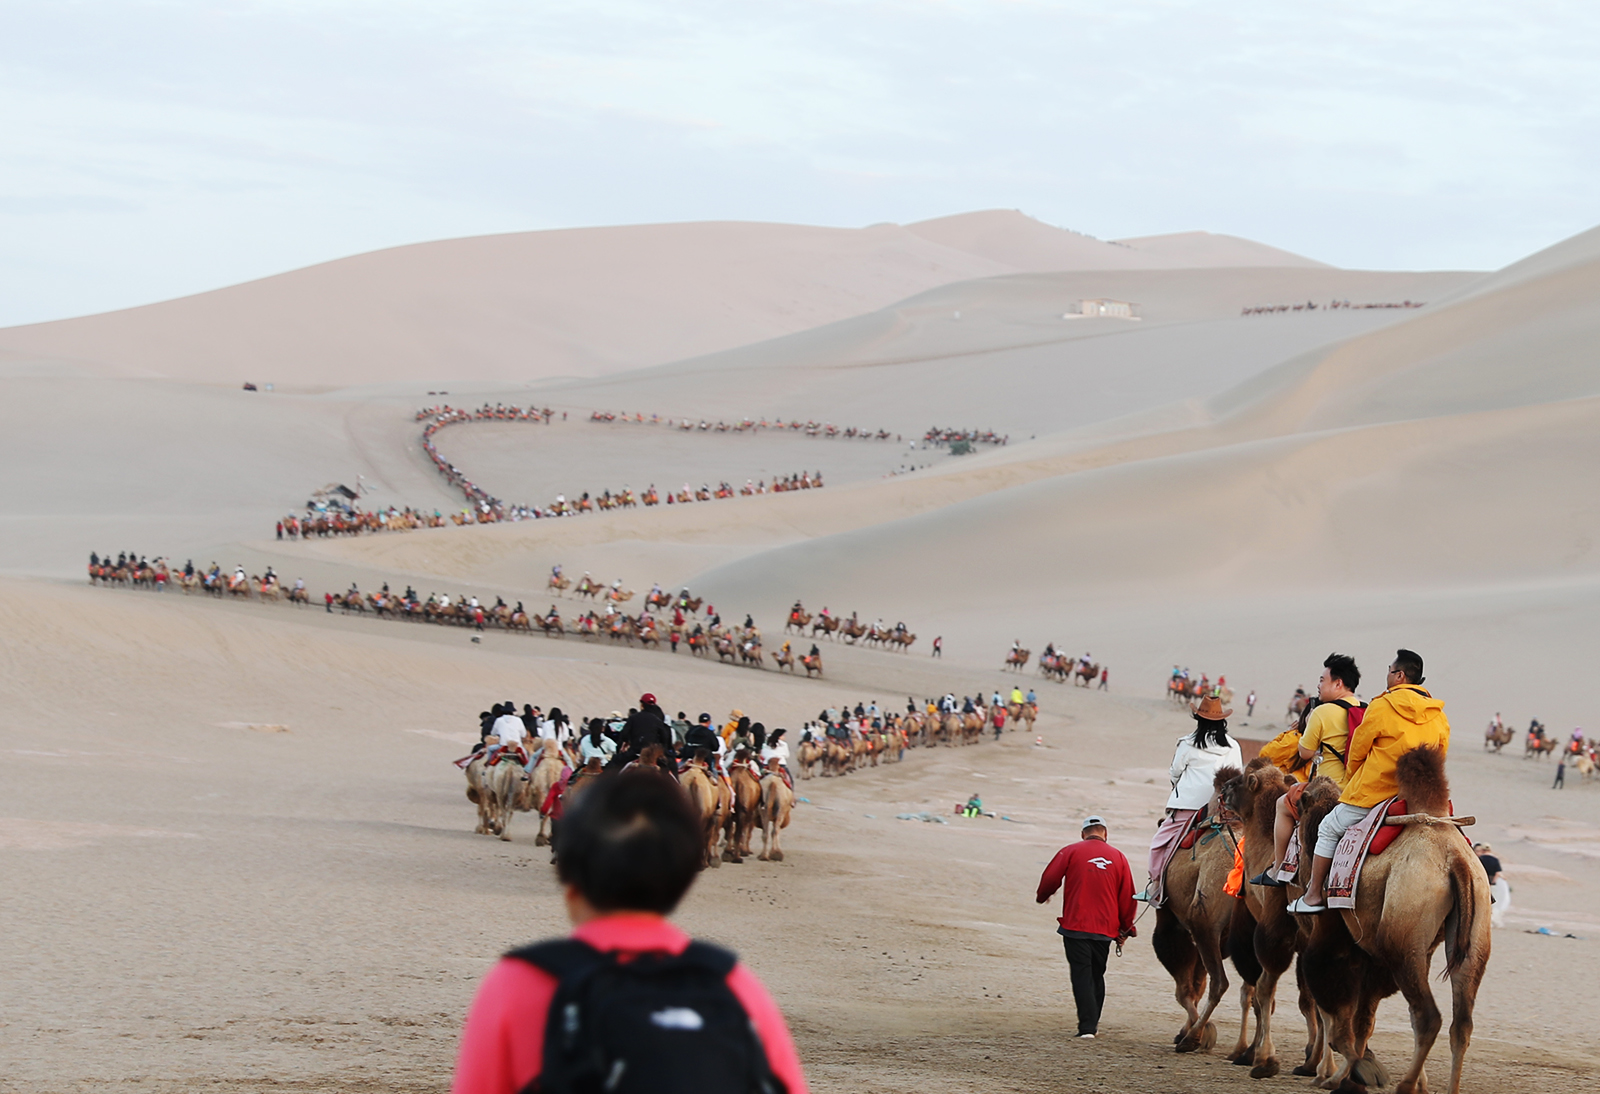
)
(643, 1007)
(1499, 890)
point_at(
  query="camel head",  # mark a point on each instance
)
(1258, 788)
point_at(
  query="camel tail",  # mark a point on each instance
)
(1458, 943)
(1421, 779)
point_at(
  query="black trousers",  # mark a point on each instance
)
(1086, 957)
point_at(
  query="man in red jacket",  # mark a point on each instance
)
(1097, 909)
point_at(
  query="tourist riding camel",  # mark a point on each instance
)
(1318, 750)
(1195, 762)
(1403, 718)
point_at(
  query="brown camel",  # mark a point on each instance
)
(1192, 926)
(546, 773)
(706, 799)
(1265, 936)
(777, 802)
(1425, 889)
(741, 822)
(1023, 713)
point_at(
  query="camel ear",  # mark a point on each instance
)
(1252, 783)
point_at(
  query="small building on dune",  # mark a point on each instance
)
(1108, 309)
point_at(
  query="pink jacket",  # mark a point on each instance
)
(502, 1046)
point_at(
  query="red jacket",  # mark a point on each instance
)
(1098, 896)
(502, 1047)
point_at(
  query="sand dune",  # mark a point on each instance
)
(537, 304)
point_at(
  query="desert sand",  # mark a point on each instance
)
(235, 848)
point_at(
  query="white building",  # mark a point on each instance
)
(1107, 309)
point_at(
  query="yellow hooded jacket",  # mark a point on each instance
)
(1397, 721)
(1283, 752)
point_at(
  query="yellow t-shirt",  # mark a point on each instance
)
(1329, 724)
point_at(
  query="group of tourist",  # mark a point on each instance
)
(746, 425)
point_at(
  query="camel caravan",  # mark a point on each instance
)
(1356, 878)
(736, 781)
(852, 631)
(1059, 666)
(484, 508)
(746, 425)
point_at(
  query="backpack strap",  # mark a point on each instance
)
(1354, 714)
(562, 958)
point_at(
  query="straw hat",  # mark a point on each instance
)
(1210, 710)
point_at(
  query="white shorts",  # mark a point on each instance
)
(1333, 826)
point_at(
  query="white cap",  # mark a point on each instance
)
(1094, 820)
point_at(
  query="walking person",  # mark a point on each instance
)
(1096, 910)
(1499, 888)
(1250, 705)
(938, 646)
(642, 1005)
(1561, 773)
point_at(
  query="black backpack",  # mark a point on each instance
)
(658, 1022)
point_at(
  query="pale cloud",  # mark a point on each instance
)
(153, 148)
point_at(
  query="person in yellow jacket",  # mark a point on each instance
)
(1403, 718)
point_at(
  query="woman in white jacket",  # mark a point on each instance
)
(1195, 763)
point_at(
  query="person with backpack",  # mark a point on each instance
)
(1403, 718)
(627, 1003)
(1320, 749)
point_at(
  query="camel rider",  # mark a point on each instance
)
(1033, 700)
(555, 571)
(188, 568)
(1315, 745)
(748, 621)
(815, 652)
(299, 584)
(786, 647)
(1016, 696)
(1403, 718)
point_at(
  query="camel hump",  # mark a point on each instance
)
(1421, 779)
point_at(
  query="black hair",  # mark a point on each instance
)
(630, 843)
(743, 726)
(1410, 665)
(1209, 732)
(772, 740)
(758, 735)
(597, 726)
(1342, 667)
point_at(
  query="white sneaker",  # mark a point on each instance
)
(1085, 1036)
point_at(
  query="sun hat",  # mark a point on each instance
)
(1210, 710)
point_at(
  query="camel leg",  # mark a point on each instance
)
(1425, 1024)
(505, 819)
(1316, 1051)
(766, 839)
(1175, 949)
(1211, 958)
(1463, 994)
(777, 837)
(1243, 1051)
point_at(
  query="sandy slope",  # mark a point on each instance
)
(574, 302)
(307, 909)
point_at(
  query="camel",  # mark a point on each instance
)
(1538, 746)
(1024, 713)
(1192, 926)
(825, 624)
(812, 663)
(1425, 889)
(1496, 739)
(799, 620)
(1265, 936)
(1086, 674)
(546, 773)
(809, 755)
(1017, 659)
(751, 655)
(477, 795)
(777, 802)
(746, 803)
(505, 785)
(706, 798)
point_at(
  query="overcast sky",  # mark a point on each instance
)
(151, 149)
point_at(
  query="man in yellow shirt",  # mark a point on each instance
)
(1318, 749)
(1403, 718)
